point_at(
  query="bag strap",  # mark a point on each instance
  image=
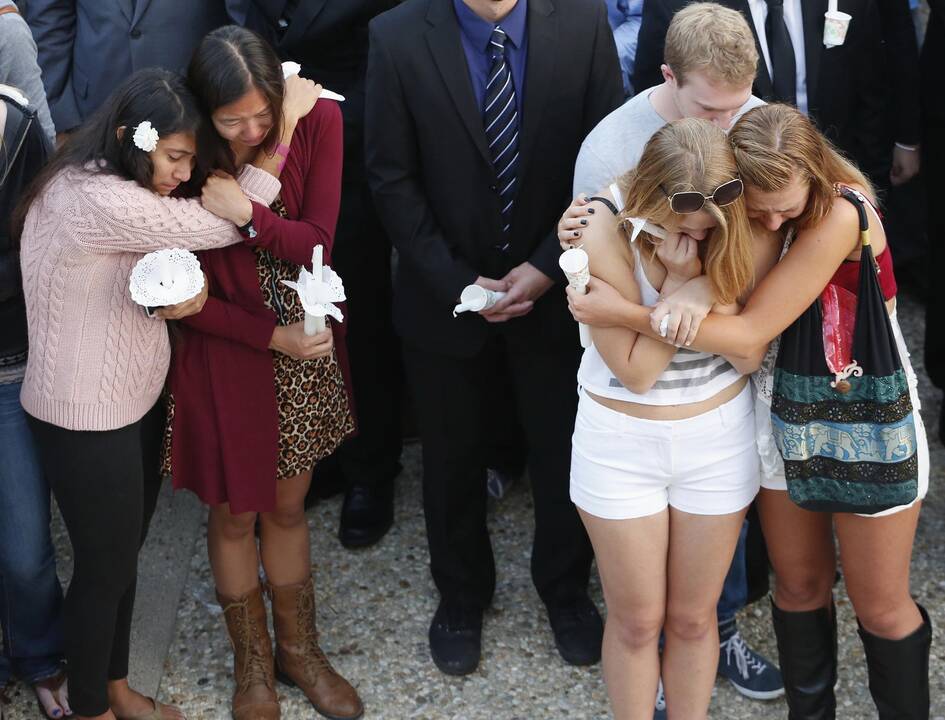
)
(859, 202)
(13, 138)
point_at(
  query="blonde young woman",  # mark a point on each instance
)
(664, 461)
(791, 173)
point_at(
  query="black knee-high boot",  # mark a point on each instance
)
(899, 672)
(807, 651)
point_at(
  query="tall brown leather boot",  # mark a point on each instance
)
(254, 697)
(300, 661)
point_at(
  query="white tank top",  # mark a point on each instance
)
(691, 376)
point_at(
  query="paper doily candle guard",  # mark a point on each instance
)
(318, 290)
(165, 277)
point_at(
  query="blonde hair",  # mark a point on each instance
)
(714, 39)
(693, 154)
(774, 144)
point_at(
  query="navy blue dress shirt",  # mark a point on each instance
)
(475, 34)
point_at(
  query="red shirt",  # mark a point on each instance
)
(847, 275)
(226, 434)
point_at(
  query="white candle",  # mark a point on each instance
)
(576, 267)
(476, 298)
(315, 324)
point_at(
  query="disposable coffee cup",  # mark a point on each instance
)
(836, 24)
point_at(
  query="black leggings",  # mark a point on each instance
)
(106, 485)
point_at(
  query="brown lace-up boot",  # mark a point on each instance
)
(300, 661)
(254, 697)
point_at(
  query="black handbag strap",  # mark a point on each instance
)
(19, 119)
(859, 202)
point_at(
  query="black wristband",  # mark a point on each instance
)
(248, 229)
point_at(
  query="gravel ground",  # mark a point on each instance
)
(375, 606)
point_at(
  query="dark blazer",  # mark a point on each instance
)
(933, 70)
(330, 40)
(88, 47)
(849, 90)
(433, 181)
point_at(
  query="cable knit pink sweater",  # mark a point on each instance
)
(96, 361)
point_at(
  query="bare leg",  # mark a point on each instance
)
(700, 552)
(283, 534)
(801, 549)
(231, 545)
(875, 553)
(631, 560)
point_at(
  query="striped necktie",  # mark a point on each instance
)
(501, 123)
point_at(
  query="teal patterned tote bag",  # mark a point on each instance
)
(848, 437)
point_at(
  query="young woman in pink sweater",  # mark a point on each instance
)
(97, 362)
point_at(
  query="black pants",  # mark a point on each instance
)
(362, 256)
(457, 412)
(106, 485)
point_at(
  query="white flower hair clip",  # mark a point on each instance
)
(145, 137)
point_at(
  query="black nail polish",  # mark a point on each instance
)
(583, 221)
(577, 233)
(590, 211)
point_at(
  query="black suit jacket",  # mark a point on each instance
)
(849, 88)
(933, 70)
(433, 181)
(329, 38)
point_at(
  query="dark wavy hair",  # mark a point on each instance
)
(158, 96)
(229, 62)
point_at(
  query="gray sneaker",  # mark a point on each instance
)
(753, 675)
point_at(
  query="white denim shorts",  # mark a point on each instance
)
(775, 479)
(624, 467)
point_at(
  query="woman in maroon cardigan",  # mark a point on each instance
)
(255, 402)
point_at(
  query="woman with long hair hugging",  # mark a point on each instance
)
(795, 185)
(254, 400)
(664, 462)
(97, 362)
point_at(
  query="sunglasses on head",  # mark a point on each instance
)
(690, 201)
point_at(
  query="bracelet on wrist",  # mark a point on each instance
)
(247, 229)
(907, 148)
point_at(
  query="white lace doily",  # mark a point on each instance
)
(166, 277)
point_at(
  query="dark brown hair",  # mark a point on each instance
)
(154, 95)
(229, 62)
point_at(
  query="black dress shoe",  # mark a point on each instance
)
(456, 638)
(367, 513)
(578, 630)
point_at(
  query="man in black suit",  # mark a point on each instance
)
(933, 155)
(329, 38)
(846, 89)
(476, 110)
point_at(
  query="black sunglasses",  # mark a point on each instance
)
(690, 201)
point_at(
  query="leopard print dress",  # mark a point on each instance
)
(314, 414)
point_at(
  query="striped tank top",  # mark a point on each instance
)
(691, 376)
